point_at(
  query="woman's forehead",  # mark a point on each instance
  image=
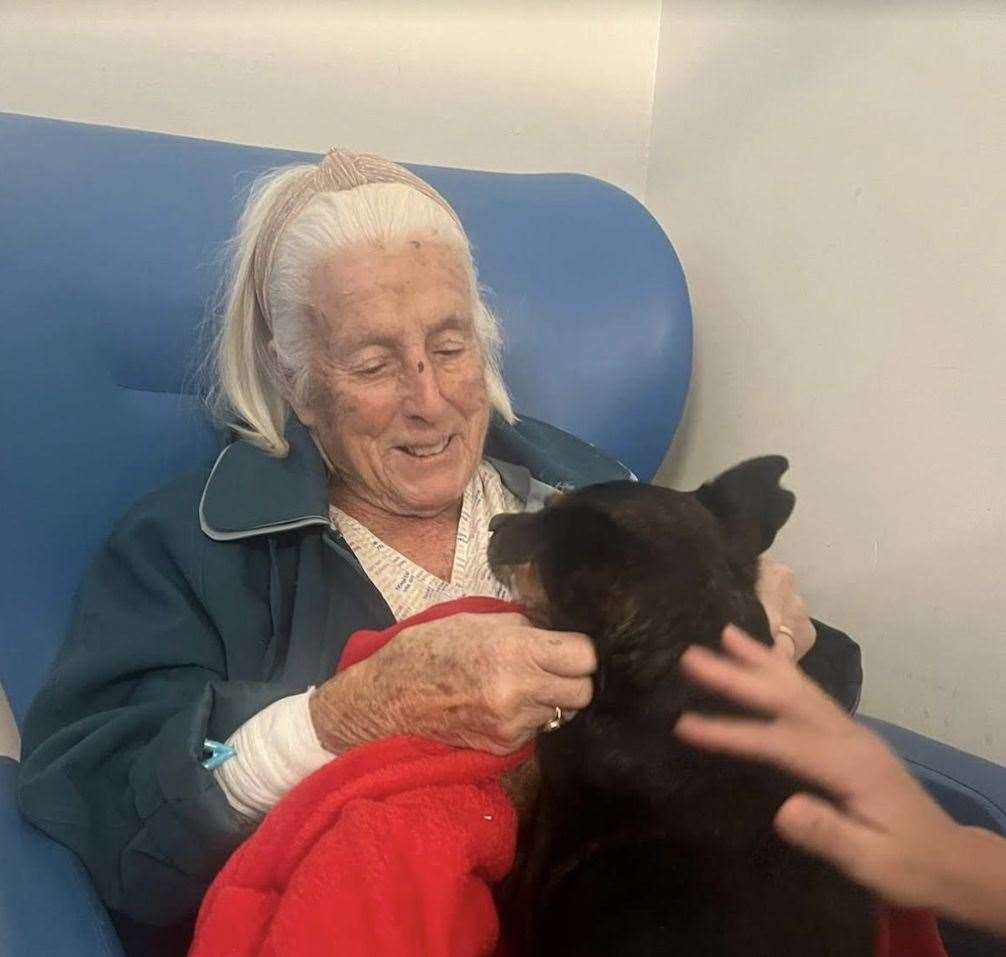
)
(412, 265)
(367, 290)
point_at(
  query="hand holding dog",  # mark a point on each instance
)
(474, 681)
(882, 829)
(792, 630)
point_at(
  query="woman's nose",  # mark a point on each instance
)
(423, 395)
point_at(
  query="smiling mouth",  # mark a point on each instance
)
(426, 451)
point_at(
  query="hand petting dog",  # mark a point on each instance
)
(881, 828)
(487, 682)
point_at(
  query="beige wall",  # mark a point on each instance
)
(831, 174)
(487, 84)
(834, 179)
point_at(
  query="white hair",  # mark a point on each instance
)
(256, 367)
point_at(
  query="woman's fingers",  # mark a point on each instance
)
(570, 694)
(784, 606)
(568, 654)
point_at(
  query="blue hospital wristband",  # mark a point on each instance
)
(218, 753)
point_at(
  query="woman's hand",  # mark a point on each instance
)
(792, 630)
(881, 827)
(475, 681)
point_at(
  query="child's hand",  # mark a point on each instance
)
(881, 827)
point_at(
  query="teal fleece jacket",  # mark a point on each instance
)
(213, 597)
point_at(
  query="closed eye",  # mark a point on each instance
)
(373, 370)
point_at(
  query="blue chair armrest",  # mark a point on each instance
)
(48, 904)
(970, 789)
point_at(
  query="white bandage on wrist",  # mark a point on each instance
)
(275, 750)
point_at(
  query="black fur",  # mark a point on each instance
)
(640, 845)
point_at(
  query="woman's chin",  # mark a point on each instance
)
(428, 488)
(430, 497)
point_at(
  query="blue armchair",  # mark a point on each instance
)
(110, 246)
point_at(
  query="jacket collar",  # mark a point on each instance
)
(250, 493)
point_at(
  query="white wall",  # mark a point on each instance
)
(834, 179)
(831, 174)
(489, 84)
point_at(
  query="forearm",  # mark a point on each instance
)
(344, 711)
(971, 886)
(275, 750)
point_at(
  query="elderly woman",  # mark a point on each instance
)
(359, 373)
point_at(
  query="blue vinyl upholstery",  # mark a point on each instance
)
(109, 250)
(48, 905)
(970, 789)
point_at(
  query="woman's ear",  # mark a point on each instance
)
(302, 408)
(304, 412)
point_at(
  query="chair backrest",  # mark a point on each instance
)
(110, 246)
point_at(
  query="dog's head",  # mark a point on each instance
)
(644, 570)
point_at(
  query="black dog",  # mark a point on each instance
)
(638, 844)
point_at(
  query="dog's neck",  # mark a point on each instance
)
(620, 755)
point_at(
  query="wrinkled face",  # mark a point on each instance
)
(398, 396)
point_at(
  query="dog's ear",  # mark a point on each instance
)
(749, 502)
(583, 553)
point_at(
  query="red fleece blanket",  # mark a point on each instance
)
(392, 850)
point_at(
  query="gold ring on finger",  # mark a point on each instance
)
(555, 723)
